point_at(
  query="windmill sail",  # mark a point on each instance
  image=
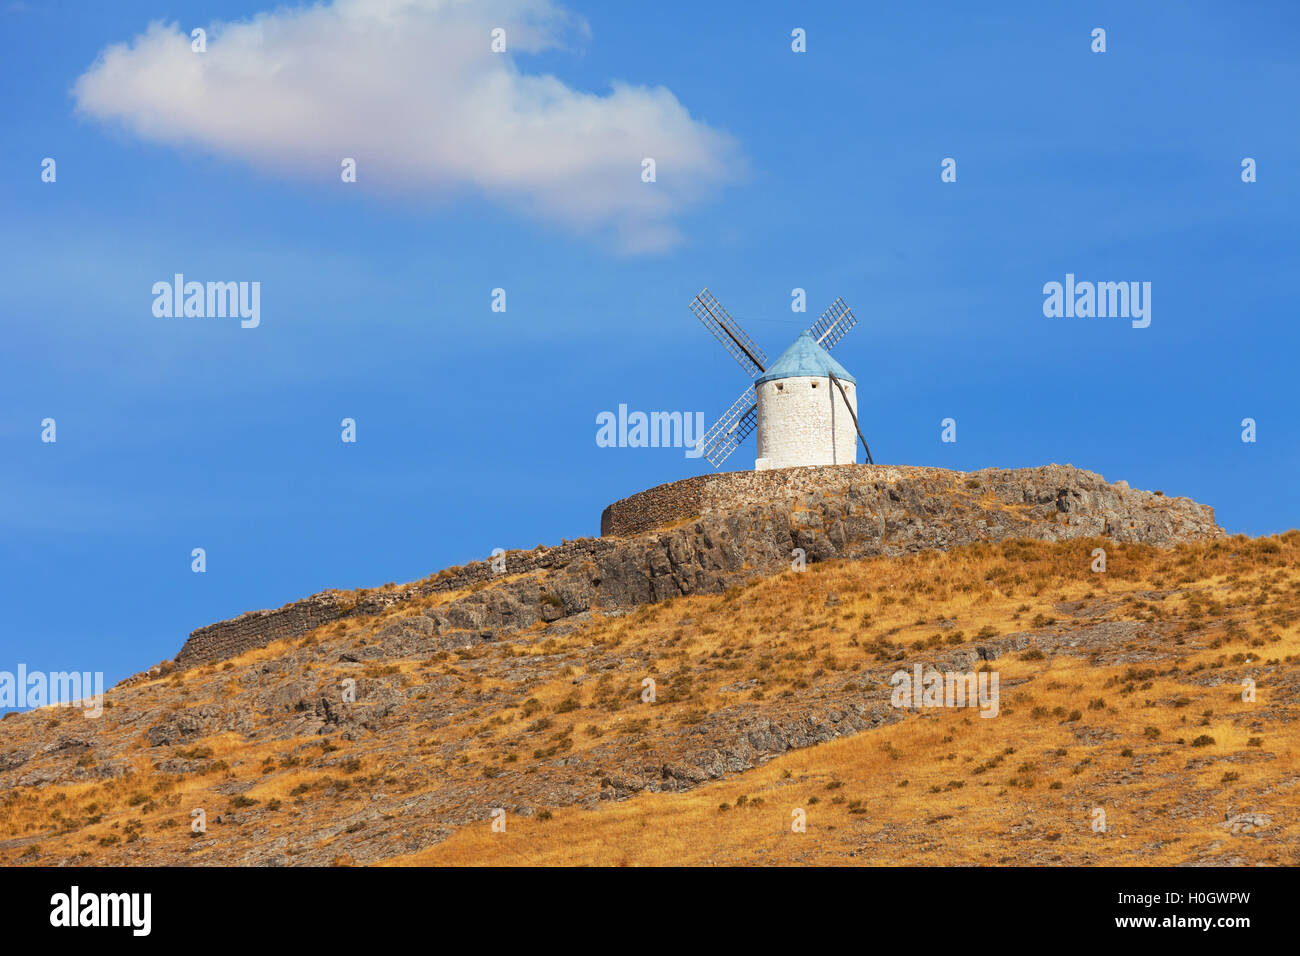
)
(833, 324)
(735, 425)
(727, 331)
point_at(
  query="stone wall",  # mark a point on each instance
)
(258, 628)
(664, 505)
(678, 501)
(656, 507)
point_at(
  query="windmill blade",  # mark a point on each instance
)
(735, 425)
(833, 324)
(727, 331)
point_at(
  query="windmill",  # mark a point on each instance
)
(797, 423)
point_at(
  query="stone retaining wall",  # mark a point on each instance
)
(258, 628)
(664, 505)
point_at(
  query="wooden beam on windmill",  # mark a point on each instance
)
(736, 424)
(728, 331)
(833, 324)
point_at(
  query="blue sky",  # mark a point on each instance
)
(476, 429)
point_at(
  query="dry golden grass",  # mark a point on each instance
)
(944, 786)
(949, 787)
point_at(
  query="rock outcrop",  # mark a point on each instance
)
(704, 534)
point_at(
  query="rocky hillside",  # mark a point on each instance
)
(723, 529)
(675, 695)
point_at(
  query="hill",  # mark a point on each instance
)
(1121, 691)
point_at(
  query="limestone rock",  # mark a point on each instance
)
(704, 534)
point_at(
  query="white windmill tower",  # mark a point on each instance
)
(804, 405)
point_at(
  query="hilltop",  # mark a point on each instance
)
(524, 690)
(705, 534)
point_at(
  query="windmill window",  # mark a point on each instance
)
(814, 384)
(780, 387)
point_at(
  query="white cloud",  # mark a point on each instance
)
(412, 91)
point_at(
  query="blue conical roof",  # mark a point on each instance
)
(804, 357)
